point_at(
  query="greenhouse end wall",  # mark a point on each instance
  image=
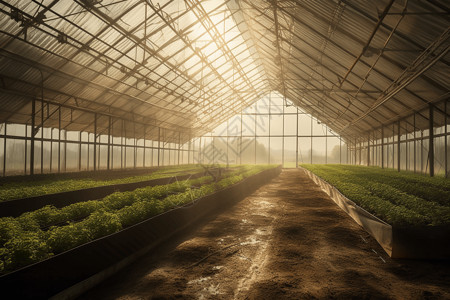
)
(271, 131)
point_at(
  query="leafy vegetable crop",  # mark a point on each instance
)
(17, 190)
(39, 234)
(399, 198)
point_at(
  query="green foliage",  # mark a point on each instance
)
(139, 211)
(80, 210)
(64, 238)
(402, 199)
(9, 228)
(101, 223)
(24, 241)
(24, 249)
(43, 217)
(17, 190)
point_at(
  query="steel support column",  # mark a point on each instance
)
(414, 143)
(59, 140)
(382, 147)
(296, 142)
(145, 150)
(26, 150)
(108, 158)
(446, 140)
(179, 146)
(79, 153)
(95, 142)
(4, 153)
(159, 144)
(431, 140)
(398, 146)
(33, 132)
(42, 136)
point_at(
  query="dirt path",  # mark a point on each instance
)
(288, 240)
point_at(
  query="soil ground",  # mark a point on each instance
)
(288, 240)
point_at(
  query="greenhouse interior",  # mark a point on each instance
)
(224, 149)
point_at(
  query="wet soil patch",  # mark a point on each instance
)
(288, 240)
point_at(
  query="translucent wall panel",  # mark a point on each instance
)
(15, 154)
(279, 127)
(262, 147)
(290, 145)
(276, 125)
(333, 150)
(439, 156)
(304, 125)
(248, 151)
(319, 150)
(72, 154)
(290, 125)
(276, 150)
(304, 150)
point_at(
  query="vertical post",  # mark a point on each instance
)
(348, 154)
(228, 145)
(213, 143)
(159, 144)
(42, 135)
(282, 139)
(311, 135)
(179, 146)
(355, 152)
(415, 152)
(255, 137)
(326, 144)
(79, 153)
(368, 150)
(144, 151)
(88, 150)
(340, 151)
(163, 153)
(112, 145)
(151, 152)
(95, 142)
(240, 144)
(51, 149)
(4, 153)
(360, 153)
(65, 150)
(398, 146)
(296, 141)
(406, 148)
(431, 140)
(59, 140)
(108, 158)
(446, 140)
(421, 151)
(121, 146)
(270, 115)
(382, 147)
(26, 149)
(393, 145)
(201, 156)
(33, 132)
(125, 146)
(134, 146)
(189, 151)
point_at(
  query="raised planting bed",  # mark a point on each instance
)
(37, 185)
(120, 235)
(16, 207)
(408, 214)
